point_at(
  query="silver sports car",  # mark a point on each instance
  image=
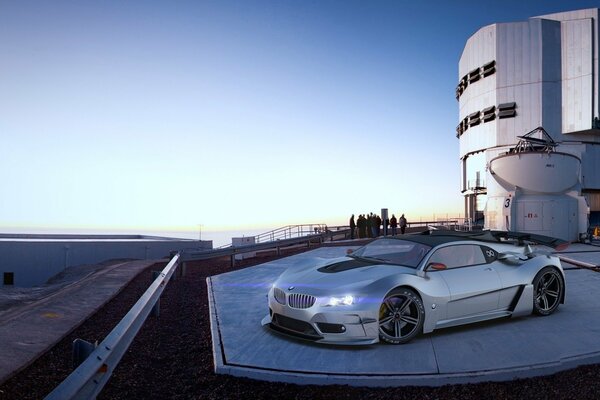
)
(394, 288)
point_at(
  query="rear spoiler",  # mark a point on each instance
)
(531, 238)
(522, 238)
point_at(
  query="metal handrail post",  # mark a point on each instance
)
(156, 308)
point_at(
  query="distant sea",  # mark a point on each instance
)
(219, 238)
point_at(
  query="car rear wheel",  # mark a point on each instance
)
(401, 316)
(548, 287)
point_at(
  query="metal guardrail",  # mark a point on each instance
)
(88, 379)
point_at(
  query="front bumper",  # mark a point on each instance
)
(335, 325)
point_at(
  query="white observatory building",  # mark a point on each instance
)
(529, 128)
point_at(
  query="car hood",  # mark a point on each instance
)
(343, 273)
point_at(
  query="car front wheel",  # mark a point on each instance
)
(548, 287)
(401, 316)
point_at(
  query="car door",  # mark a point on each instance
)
(511, 279)
(473, 282)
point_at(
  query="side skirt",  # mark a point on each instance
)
(472, 318)
(520, 306)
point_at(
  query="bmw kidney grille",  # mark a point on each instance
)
(296, 300)
(279, 295)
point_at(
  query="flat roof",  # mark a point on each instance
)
(25, 237)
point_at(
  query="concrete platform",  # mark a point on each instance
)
(492, 351)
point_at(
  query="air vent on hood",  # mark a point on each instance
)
(344, 266)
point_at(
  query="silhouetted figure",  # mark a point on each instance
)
(402, 224)
(377, 225)
(352, 226)
(394, 225)
(362, 226)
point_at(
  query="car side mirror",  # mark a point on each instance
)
(349, 251)
(437, 266)
(511, 258)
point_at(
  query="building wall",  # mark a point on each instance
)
(580, 32)
(577, 84)
(547, 67)
(519, 78)
(590, 160)
(480, 49)
(519, 53)
(33, 262)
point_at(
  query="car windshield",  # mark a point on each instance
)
(393, 251)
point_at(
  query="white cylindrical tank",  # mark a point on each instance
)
(538, 172)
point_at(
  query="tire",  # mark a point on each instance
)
(548, 289)
(401, 316)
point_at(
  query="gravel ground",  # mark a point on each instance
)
(171, 358)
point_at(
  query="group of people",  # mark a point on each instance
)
(369, 226)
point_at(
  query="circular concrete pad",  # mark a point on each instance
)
(499, 350)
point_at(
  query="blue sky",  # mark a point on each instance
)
(248, 114)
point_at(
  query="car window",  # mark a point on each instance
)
(394, 251)
(461, 255)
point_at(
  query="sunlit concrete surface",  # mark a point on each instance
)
(497, 350)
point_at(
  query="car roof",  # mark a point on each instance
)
(437, 237)
(432, 240)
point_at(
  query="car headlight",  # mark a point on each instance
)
(341, 301)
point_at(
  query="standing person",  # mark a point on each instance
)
(402, 224)
(370, 225)
(394, 225)
(352, 226)
(377, 225)
(362, 225)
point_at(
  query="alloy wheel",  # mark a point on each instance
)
(401, 316)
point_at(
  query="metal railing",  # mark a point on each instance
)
(442, 222)
(476, 184)
(457, 224)
(291, 231)
(464, 225)
(286, 232)
(88, 379)
(277, 244)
